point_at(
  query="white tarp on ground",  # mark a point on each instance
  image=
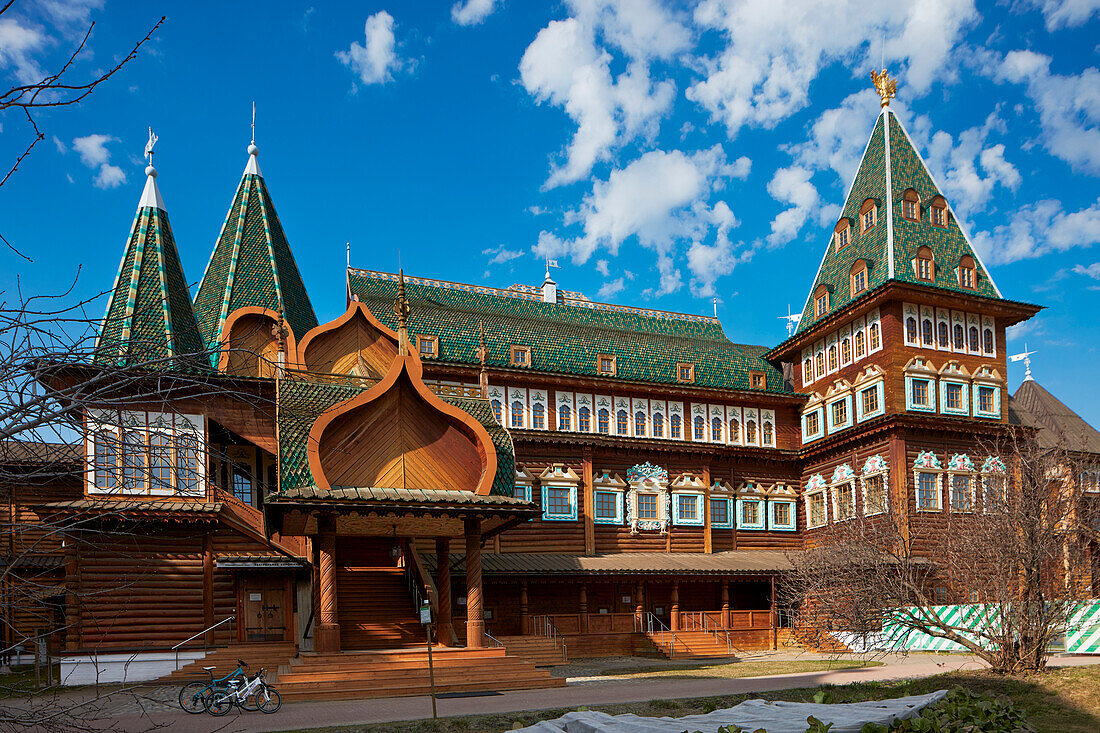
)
(774, 717)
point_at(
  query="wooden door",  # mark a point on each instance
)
(263, 604)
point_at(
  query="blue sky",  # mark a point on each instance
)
(664, 153)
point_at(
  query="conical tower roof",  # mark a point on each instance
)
(252, 264)
(890, 167)
(149, 317)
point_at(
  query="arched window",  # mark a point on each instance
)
(820, 363)
(832, 358)
(735, 431)
(498, 410)
(821, 301)
(926, 332)
(658, 425)
(968, 272)
(957, 332)
(910, 205)
(769, 433)
(808, 369)
(538, 416)
(565, 418)
(603, 418)
(868, 215)
(972, 338)
(861, 346)
(639, 424)
(911, 329)
(987, 341)
(858, 275)
(584, 420)
(845, 350)
(942, 332)
(876, 337)
(676, 425)
(924, 264)
(622, 422)
(937, 212)
(750, 431)
(842, 233)
(700, 428)
(716, 429)
(517, 414)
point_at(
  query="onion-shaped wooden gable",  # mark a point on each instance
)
(250, 342)
(355, 344)
(400, 435)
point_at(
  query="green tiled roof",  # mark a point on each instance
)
(906, 170)
(300, 403)
(149, 314)
(566, 337)
(252, 265)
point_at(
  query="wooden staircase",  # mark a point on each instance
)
(535, 649)
(270, 655)
(814, 640)
(691, 645)
(401, 672)
(375, 609)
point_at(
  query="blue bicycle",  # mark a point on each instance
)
(195, 697)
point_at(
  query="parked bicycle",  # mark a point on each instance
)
(253, 694)
(195, 696)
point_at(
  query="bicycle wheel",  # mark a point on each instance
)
(193, 697)
(269, 700)
(251, 703)
(220, 702)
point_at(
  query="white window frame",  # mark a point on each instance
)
(849, 417)
(977, 402)
(774, 524)
(810, 495)
(547, 516)
(679, 521)
(964, 396)
(807, 437)
(619, 498)
(874, 467)
(730, 508)
(116, 423)
(879, 388)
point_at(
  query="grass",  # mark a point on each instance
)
(1060, 701)
(734, 670)
(20, 681)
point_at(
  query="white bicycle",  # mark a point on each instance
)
(247, 694)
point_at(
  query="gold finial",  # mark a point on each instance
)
(482, 355)
(886, 87)
(401, 310)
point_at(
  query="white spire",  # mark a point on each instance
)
(253, 166)
(1025, 357)
(549, 287)
(151, 195)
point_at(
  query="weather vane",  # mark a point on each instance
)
(886, 87)
(149, 146)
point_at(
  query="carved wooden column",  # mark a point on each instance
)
(589, 508)
(524, 611)
(445, 630)
(475, 622)
(584, 608)
(725, 604)
(674, 613)
(327, 637)
(775, 620)
(639, 602)
(208, 583)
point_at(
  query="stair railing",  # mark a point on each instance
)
(420, 582)
(205, 638)
(495, 643)
(651, 625)
(544, 626)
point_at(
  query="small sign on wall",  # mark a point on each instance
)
(625, 599)
(255, 596)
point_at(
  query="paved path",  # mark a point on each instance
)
(382, 710)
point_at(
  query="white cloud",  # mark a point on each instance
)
(472, 12)
(1038, 229)
(1065, 13)
(792, 186)
(708, 262)
(376, 60)
(1092, 270)
(602, 268)
(1030, 328)
(60, 145)
(501, 254)
(110, 176)
(773, 50)
(17, 43)
(569, 65)
(1068, 106)
(612, 287)
(968, 169)
(94, 154)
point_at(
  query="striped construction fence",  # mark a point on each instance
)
(1083, 629)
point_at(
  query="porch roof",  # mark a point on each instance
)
(412, 499)
(107, 506)
(730, 562)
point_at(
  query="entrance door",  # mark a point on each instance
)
(265, 615)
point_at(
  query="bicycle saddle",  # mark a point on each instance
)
(209, 669)
(242, 663)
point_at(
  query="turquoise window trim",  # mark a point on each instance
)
(728, 524)
(526, 488)
(964, 394)
(773, 524)
(832, 427)
(676, 520)
(760, 508)
(880, 390)
(618, 518)
(996, 413)
(910, 405)
(806, 438)
(571, 516)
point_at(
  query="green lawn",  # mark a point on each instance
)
(1060, 701)
(731, 670)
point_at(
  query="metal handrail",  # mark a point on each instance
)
(496, 642)
(205, 643)
(550, 631)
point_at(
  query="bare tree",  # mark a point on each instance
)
(1011, 546)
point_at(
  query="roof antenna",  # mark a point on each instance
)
(792, 320)
(1025, 357)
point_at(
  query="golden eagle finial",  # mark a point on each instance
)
(886, 87)
(401, 310)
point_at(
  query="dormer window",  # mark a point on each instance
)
(821, 302)
(605, 364)
(859, 277)
(868, 215)
(521, 356)
(910, 205)
(842, 233)
(757, 380)
(937, 212)
(967, 272)
(924, 265)
(428, 346)
(685, 373)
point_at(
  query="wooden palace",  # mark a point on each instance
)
(549, 475)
